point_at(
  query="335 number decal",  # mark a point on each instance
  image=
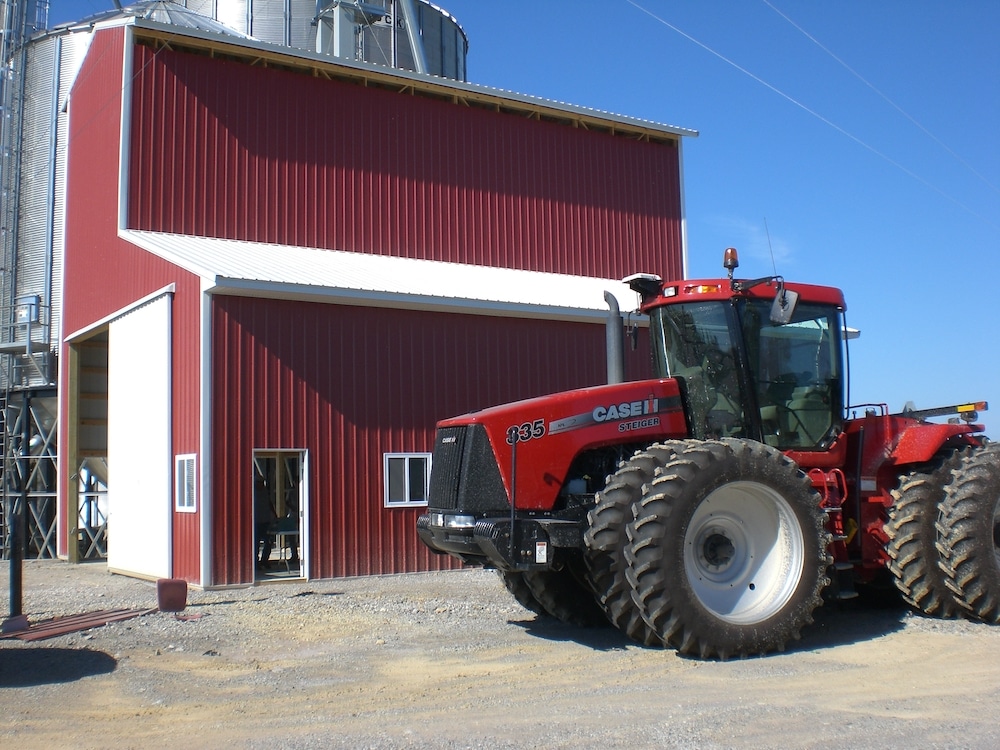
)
(519, 433)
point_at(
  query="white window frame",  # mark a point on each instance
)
(386, 458)
(186, 492)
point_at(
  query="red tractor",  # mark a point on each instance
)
(711, 508)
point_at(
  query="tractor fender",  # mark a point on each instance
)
(919, 442)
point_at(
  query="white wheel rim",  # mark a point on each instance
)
(744, 552)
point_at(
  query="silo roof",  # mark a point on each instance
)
(160, 11)
(253, 269)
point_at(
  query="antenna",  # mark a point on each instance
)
(770, 249)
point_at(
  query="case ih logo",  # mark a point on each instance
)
(631, 415)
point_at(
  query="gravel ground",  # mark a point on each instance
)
(450, 660)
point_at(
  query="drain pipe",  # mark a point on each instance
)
(615, 340)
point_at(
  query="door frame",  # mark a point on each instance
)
(302, 454)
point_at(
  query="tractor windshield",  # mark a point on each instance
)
(781, 384)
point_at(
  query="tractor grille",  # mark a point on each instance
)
(446, 467)
(464, 472)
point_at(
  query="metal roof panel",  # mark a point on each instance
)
(290, 272)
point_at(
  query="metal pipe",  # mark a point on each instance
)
(16, 521)
(512, 432)
(615, 340)
(413, 32)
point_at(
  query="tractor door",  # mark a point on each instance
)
(692, 342)
(796, 373)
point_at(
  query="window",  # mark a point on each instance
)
(407, 478)
(184, 484)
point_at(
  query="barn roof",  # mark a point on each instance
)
(301, 273)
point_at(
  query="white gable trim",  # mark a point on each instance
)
(85, 332)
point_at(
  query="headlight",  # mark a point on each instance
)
(459, 522)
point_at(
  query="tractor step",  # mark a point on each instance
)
(844, 581)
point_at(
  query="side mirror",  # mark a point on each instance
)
(783, 306)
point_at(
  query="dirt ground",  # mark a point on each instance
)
(449, 660)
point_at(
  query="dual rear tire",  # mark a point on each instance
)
(944, 536)
(913, 537)
(968, 533)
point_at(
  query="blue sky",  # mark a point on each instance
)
(863, 134)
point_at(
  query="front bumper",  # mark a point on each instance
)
(531, 543)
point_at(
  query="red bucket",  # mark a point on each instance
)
(171, 594)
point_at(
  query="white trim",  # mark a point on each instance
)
(108, 319)
(305, 554)
(180, 492)
(126, 127)
(386, 501)
(405, 301)
(683, 211)
(205, 438)
(65, 486)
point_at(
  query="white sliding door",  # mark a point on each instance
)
(139, 441)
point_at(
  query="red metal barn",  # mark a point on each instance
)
(281, 270)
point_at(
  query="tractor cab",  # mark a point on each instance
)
(757, 359)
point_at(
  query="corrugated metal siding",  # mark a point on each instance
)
(269, 21)
(223, 149)
(302, 32)
(36, 172)
(445, 45)
(105, 274)
(233, 13)
(349, 384)
(49, 59)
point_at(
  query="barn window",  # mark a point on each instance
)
(407, 477)
(184, 484)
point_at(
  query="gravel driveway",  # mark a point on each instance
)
(450, 660)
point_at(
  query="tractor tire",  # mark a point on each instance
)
(518, 588)
(969, 534)
(606, 538)
(913, 537)
(727, 552)
(563, 595)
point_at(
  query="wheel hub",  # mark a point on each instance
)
(743, 552)
(717, 550)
